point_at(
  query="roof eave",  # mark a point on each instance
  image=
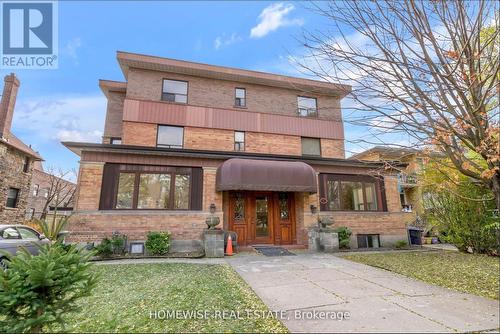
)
(78, 148)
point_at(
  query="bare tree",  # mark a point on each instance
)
(60, 192)
(425, 69)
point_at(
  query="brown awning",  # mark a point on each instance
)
(270, 175)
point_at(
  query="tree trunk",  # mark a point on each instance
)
(39, 327)
(495, 188)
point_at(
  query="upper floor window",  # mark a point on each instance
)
(306, 106)
(12, 197)
(311, 146)
(116, 141)
(174, 91)
(26, 164)
(240, 99)
(36, 187)
(239, 141)
(170, 136)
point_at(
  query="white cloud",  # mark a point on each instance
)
(71, 47)
(75, 118)
(221, 41)
(273, 17)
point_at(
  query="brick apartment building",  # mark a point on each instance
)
(265, 152)
(409, 185)
(16, 160)
(49, 194)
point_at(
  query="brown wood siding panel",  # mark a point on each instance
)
(196, 189)
(186, 115)
(108, 188)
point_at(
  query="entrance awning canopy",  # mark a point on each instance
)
(266, 175)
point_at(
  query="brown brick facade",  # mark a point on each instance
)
(139, 134)
(88, 189)
(331, 148)
(147, 85)
(272, 144)
(208, 139)
(209, 118)
(114, 116)
(144, 134)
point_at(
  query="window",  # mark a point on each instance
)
(116, 141)
(283, 206)
(306, 106)
(12, 197)
(368, 241)
(26, 164)
(170, 136)
(239, 141)
(125, 194)
(149, 190)
(27, 233)
(351, 193)
(36, 188)
(10, 233)
(181, 192)
(240, 97)
(154, 191)
(174, 91)
(311, 146)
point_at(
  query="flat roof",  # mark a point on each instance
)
(129, 60)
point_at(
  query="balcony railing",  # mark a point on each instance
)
(307, 112)
(407, 180)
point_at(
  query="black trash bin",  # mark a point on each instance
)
(415, 236)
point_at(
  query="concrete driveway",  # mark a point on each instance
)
(310, 286)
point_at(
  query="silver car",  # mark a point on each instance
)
(13, 237)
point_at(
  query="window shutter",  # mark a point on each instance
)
(196, 189)
(322, 192)
(381, 182)
(108, 188)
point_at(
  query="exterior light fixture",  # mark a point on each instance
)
(212, 208)
(314, 209)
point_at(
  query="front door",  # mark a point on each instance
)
(262, 223)
(262, 217)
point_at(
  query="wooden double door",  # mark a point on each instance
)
(262, 217)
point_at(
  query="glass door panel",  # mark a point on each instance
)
(262, 217)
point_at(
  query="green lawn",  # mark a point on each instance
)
(476, 274)
(126, 294)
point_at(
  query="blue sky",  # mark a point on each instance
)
(66, 104)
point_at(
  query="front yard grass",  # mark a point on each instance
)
(476, 274)
(126, 294)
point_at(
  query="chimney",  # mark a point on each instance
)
(11, 85)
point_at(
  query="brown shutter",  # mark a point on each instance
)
(109, 186)
(196, 189)
(381, 183)
(322, 192)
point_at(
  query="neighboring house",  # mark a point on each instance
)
(16, 160)
(410, 190)
(264, 152)
(49, 193)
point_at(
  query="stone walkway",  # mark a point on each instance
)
(314, 285)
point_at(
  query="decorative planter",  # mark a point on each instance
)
(212, 221)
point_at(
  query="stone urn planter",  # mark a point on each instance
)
(212, 221)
